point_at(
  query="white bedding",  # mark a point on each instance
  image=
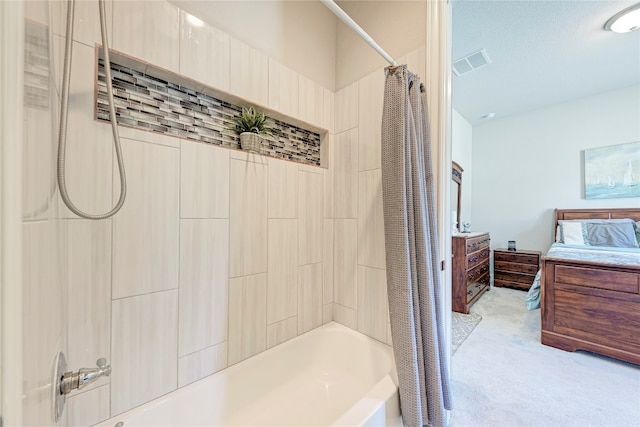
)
(602, 254)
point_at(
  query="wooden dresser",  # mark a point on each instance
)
(470, 276)
(515, 269)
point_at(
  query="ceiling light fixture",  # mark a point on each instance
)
(488, 116)
(625, 21)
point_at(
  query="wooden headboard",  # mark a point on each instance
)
(614, 213)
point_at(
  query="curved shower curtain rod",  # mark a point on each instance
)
(344, 17)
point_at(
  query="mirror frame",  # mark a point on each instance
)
(456, 176)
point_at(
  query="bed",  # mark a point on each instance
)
(590, 296)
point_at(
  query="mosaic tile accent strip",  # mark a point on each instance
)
(152, 104)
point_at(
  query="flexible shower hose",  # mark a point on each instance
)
(64, 110)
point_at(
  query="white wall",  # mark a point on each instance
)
(461, 139)
(527, 165)
(397, 26)
(298, 34)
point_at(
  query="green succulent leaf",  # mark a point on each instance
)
(251, 120)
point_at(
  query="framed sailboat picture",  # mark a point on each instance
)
(612, 172)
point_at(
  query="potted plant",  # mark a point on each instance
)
(252, 125)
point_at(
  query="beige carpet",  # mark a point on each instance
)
(462, 326)
(503, 376)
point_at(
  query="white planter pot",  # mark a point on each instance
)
(250, 141)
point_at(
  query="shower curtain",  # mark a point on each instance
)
(413, 285)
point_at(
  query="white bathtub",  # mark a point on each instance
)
(329, 376)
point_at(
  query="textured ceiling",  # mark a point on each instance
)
(542, 52)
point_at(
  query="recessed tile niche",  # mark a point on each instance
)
(153, 99)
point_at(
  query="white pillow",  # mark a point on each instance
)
(573, 234)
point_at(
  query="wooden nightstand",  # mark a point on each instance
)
(515, 269)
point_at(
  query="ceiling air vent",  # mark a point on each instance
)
(471, 62)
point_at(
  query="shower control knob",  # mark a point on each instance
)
(101, 363)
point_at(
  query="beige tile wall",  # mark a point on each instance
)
(88, 265)
(370, 219)
(205, 362)
(204, 278)
(43, 322)
(345, 174)
(370, 98)
(247, 316)
(146, 230)
(37, 172)
(279, 332)
(282, 278)
(144, 343)
(248, 218)
(87, 12)
(283, 191)
(283, 88)
(149, 31)
(310, 218)
(346, 108)
(354, 222)
(372, 302)
(217, 254)
(312, 110)
(250, 77)
(89, 145)
(85, 408)
(201, 165)
(309, 297)
(211, 68)
(345, 262)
